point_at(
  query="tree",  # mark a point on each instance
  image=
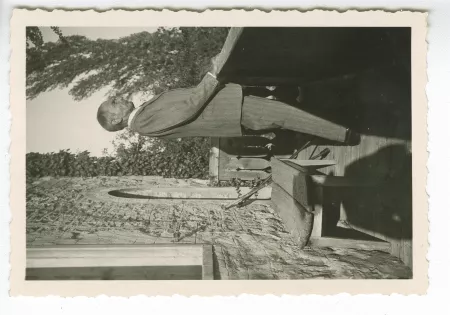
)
(142, 62)
(34, 37)
(35, 52)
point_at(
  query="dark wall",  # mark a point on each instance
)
(361, 79)
(376, 103)
(281, 55)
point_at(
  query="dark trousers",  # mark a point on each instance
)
(259, 113)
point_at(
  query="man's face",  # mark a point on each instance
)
(120, 107)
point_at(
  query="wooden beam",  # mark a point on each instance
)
(293, 180)
(310, 164)
(342, 181)
(349, 243)
(318, 228)
(298, 221)
(228, 47)
(214, 160)
(247, 164)
(244, 175)
(110, 256)
(126, 273)
(268, 80)
(120, 262)
(207, 266)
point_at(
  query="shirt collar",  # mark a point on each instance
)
(133, 113)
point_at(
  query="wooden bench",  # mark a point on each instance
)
(301, 195)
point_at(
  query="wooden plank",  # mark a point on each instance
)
(108, 256)
(257, 145)
(247, 164)
(230, 148)
(367, 231)
(111, 250)
(214, 160)
(378, 224)
(207, 265)
(333, 169)
(269, 80)
(244, 175)
(255, 156)
(234, 150)
(292, 180)
(396, 248)
(298, 221)
(228, 47)
(237, 145)
(318, 230)
(349, 243)
(342, 181)
(407, 253)
(116, 273)
(127, 262)
(105, 249)
(310, 163)
(113, 262)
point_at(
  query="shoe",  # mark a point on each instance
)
(352, 137)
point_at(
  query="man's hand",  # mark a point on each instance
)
(210, 67)
(214, 68)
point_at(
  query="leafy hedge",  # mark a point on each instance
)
(188, 158)
(169, 158)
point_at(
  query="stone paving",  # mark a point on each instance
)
(249, 242)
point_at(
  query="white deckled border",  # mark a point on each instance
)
(121, 18)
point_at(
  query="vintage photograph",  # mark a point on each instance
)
(216, 153)
(148, 158)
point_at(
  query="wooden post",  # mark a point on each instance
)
(298, 221)
(207, 266)
(298, 193)
(292, 180)
(228, 47)
(290, 199)
(214, 160)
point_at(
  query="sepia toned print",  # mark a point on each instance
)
(265, 154)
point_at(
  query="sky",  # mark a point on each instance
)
(55, 121)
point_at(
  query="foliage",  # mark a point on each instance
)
(164, 158)
(142, 62)
(34, 37)
(36, 50)
(167, 158)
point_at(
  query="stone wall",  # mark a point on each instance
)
(249, 242)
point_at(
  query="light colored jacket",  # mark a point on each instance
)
(207, 110)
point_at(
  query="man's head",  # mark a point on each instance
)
(113, 114)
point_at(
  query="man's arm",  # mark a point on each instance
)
(160, 118)
(204, 91)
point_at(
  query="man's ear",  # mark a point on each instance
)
(116, 121)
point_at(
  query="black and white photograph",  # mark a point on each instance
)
(219, 153)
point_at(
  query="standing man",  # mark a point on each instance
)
(212, 109)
